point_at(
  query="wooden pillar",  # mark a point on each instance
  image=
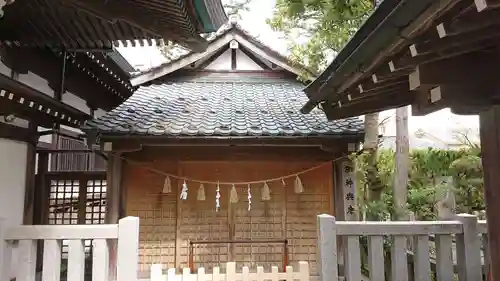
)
(338, 192)
(29, 195)
(490, 153)
(42, 190)
(345, 198)
(402, 167)
(113, 183)
(345, 190)
(113, 204)
(41, 201)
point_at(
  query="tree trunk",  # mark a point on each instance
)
(370, 146)
(402, 164)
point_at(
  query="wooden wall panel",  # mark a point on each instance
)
(262, 222)
(302, 210)
(200, 221)
(157, 213)
(165, 236)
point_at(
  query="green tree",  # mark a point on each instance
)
(236, 7)
(327, 24)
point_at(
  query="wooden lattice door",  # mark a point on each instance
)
(75, 198)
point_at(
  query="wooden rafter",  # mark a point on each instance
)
(447, 44)
(163, 29)
(392, 100)
(31, 101)
(78, 25)
(91, 77)
(213, 57)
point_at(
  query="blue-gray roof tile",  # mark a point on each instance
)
(211, 107)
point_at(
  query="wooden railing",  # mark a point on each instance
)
(302, 274)
(18, 251)
(466, 253)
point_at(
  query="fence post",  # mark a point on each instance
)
(327, 248)
(128, 249)
(5, 253)
(469, 250)
(156, 273)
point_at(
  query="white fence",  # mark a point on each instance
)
(467, 231)
(18, 251)
(302, 274)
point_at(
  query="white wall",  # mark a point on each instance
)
(243, 62)
(12, 180)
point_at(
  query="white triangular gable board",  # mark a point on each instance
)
(243, 62)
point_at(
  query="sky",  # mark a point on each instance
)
(437, 126)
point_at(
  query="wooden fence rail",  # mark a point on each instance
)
(466, 230)
(302, 274)
(18, 251)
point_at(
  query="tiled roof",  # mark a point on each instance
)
(220, 106)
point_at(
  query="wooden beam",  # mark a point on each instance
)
(466, 83)
(467, 97)
(212, 57)
(399, 84)
(459, 39)
(233, 153)
(374, 103)
(387, 71)
(490, 152)
(420, 107)
(409, 31)
(482, 66)
(457, 10)
(374, 85)
(120, 146)
(12, 132)
(467, 22)
(444, 52)
(127, 144)
(25, 95)
(85, 78)
(9, 107)
(165, 69)
(283, 64)
(254, 58)
(233, 59)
